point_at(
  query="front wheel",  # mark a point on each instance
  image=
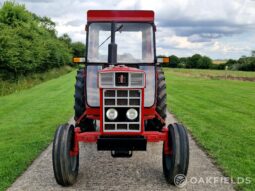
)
(176, 162)
(65, 166)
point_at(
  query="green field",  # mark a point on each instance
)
(220, 114)
(25, 82)
(213, 74)
(28, 120)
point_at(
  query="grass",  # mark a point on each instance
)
(200, 73)
(25, 82)
(28, 120)
(221, 115)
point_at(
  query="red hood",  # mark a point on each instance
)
(120, 15)
(120, 68)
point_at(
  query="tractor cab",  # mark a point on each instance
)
(120, 38)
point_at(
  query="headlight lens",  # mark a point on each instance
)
(112, 114)
(131, 114)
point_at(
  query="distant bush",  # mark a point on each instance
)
(218, 66)
(29, 43)
(195, 61)
(204, 62)
(78, 49)
(246, 64)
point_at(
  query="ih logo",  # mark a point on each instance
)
(122, 79)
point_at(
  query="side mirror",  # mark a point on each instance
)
(163, 60)
(79, 60)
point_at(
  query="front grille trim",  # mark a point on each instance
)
(135, 80)
(107, 79)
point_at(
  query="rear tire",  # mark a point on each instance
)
(65, 167)
(161, 93)
(177, 162)
(79, 103)
(156, 124)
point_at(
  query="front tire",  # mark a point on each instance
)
(65, 167)
(177, 161)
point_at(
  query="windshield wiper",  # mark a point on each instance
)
(117, 29)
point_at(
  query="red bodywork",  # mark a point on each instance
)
(122, 16)
(96, 113)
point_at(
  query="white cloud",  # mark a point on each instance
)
(184, 26)
(226, 48)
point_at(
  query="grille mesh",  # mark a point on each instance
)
(122, 126)
(122, 98)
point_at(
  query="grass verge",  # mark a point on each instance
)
(215, 74)
(28, 120)
(25, 82)
(221, 116)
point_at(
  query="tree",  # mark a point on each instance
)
(65, 38)
(182, 62)
(174, 61)
(231, 62)
(13, 15)
(48, 24)
(193, 61)
(28, 43)
(204, 62)
(78, 49)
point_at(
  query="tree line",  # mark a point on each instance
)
(29, 43)
(204, 62)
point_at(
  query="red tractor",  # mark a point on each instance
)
(120, 97)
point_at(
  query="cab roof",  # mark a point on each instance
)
(120, 15)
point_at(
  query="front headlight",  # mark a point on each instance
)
(132, 114)
(112, 114)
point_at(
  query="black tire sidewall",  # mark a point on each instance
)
(85, 124)
(66, 148)
(62, 144)
(177, 162)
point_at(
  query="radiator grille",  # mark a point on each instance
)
(122, 100)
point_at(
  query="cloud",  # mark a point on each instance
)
(75, 23)
(184, 26)
(210, 21)
(226, 48)
(35, 1)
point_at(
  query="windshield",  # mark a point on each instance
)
(134, 42)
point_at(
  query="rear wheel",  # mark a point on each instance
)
(156, 124)
(177, 162)
(65, 166)
(161, 93)
(79, 104)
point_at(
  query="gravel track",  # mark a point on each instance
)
(99, 171)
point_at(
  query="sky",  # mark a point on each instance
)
(221, 29)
